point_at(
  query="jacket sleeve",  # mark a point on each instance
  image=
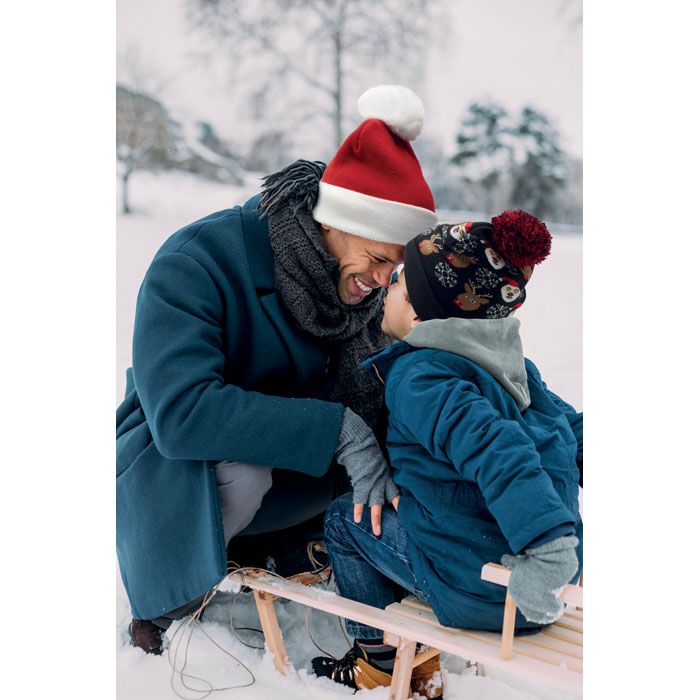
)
(458, 425)
(575, 420)
(178, 367)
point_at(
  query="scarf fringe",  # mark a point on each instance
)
(296, 184)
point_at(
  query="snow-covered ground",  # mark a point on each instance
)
(551, 332)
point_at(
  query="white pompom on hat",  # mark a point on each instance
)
(397, 106)
(374, 187)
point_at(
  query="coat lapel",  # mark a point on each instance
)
(303, 352)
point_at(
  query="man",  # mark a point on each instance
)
(245, 390)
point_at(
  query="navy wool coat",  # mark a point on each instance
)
(219, 373)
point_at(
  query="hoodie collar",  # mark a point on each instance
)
(493, 344)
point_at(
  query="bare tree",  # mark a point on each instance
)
(322, 44)
(142, 136)
(142, 122)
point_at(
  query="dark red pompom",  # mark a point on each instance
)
(521, 238)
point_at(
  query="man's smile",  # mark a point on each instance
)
(363, 288)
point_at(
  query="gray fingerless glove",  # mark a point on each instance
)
(538, 576)
(364, 462)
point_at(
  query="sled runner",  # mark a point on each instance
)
(553, 657)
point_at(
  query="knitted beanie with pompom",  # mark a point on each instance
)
(475, 269)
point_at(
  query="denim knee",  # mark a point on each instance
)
(335, 518)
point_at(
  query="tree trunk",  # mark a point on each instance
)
(338, 46)
(126, 209)
(489, 201)
(338, 90)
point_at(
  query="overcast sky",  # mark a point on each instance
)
(514, 51)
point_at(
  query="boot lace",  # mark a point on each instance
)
(344, 669)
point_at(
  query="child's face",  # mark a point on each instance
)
(399, 316)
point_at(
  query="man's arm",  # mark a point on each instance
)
(458, 425)
(178, 365)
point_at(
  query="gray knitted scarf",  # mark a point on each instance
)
(307, 276)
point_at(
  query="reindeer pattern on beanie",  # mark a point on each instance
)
(480, 269)
(469, 300)
(450, 245)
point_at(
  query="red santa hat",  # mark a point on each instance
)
(374, 186)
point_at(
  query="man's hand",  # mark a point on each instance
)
(359, 452)
(375, 512)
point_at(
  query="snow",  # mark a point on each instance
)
(551, 331)
(144, 677)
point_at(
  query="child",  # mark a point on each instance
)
(487, 459)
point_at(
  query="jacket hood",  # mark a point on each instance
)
(493, 344)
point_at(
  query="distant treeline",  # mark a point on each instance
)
(498, 160)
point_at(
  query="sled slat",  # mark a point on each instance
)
(415, 621)
(521, 647)
(566, 623)
(573, 613)
(571, 634)
(554, 644)
(562, 634)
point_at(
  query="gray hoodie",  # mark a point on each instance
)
(493, 344)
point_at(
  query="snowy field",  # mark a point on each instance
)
(551, 331)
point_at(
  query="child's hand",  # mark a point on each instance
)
(538, 576)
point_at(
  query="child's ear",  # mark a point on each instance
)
(414, 322)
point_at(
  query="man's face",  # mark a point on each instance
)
(399, 315)
(365, 265)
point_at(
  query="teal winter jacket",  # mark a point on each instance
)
(219, 373)
(486, 459)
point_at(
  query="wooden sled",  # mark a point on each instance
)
(553, 657)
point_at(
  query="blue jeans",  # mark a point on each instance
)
(369, 569)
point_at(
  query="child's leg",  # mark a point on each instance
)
(367, 569)
(364, 564)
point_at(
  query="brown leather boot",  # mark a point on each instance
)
(426, 679)
(354, 670)
(147, 636)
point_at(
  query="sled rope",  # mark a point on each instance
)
(178, 649)
(181, 633)
(319, 569)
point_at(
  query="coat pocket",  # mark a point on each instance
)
(131, 444)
